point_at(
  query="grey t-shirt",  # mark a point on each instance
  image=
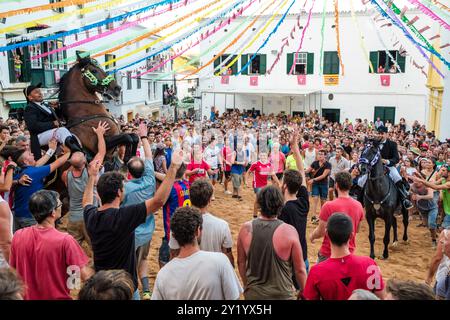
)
(201, 276)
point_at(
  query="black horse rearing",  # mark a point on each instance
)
(381, 198)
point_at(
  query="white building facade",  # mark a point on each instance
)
(358, 93)
(143, 96)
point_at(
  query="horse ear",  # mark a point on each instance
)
(78, 56)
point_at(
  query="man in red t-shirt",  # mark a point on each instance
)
(261, 170)
(337, 277)
(198, 168)
(343, 204)
(227, 158)
(50, 262)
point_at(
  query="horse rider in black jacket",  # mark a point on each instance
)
(389, 154)
(43, 123)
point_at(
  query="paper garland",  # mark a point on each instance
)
(303, 36)
(397, 22)
(84, 28)
(54, 5)
(430, 13)
(385, 46)
(322, 37)
(109, 32)
(230, 44)
(361, 37)
(230, 64)
(216, 29)
(155, 31)
(336, 19)
(268, 38)
(394, 10)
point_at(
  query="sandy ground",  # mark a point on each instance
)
(406, 261)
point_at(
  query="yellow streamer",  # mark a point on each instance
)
(230, 44)
(254, 39)
(62, 4)
(57, 17)
(173, 32)
(361, 38)
(336, 17)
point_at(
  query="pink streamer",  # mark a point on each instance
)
(221, 25)
(303, 36)
(430, 13)
(99, 36)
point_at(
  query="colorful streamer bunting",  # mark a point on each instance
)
(303, 36)
(107, 33)
(385, 47)
(50, 6)
(268, 38)
(231, 43)
(393, 9)
(397, 22)
(216, 29)
(81, 29)
(430, 13)
(322, 37)
(186, 25)
(230, 64)
(361, 37)
(336, 19)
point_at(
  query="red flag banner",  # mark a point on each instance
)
(385, 80)
(301, 79)
(225, 80)
(254, 81)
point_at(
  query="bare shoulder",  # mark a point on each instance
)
(287, 231)
(247, 227)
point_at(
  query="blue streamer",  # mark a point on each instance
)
(267, 39)
(90, 26)
(419, 46)
(212, 20)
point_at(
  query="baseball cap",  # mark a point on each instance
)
(30, 88)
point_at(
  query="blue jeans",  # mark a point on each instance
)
(446, 221)
(320, 190)
(432, 217)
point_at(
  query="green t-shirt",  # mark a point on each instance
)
(290, 163)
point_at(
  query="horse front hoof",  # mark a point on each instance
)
(395, 244)
(383, 257)
(406, 242)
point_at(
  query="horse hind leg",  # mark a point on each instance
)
(394, 229)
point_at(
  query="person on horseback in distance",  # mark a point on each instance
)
(390, 157)
(43, 123)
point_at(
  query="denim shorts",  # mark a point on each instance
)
(446, 222)
(432, 217)
(320, 190)
(214, 177)
(256, 190)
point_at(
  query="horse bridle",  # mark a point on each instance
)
(373, 162)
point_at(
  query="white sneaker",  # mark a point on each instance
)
(228, 192)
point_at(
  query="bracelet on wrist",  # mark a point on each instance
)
(50, 152)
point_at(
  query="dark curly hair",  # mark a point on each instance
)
(200, 193)
(42, 203)
(108, 285)
(270, 201)
(109, 185)
(184, 224)
(293, 180)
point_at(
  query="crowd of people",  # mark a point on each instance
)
(178, 168)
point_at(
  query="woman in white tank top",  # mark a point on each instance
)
(310, 157)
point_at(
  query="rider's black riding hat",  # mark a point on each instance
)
(30, 88)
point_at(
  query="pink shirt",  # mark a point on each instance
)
(277, 161)
(42, 258)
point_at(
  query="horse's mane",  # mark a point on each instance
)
(63, 82)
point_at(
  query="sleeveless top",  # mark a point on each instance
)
(268, 276)
(310, 157)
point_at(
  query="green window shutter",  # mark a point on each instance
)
(290, 61)
(216, 63)
(335, 63)
(374, 61)
(234, 67)
(327, 63)
(244, 60)
(310, 64)
(262, 63)
(401, 62)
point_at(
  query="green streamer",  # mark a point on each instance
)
(219, 42)
(322, 35)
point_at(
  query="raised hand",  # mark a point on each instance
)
(177, 157)
(94, 168)
(53, 143)
(143, 130)
(101, 128)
